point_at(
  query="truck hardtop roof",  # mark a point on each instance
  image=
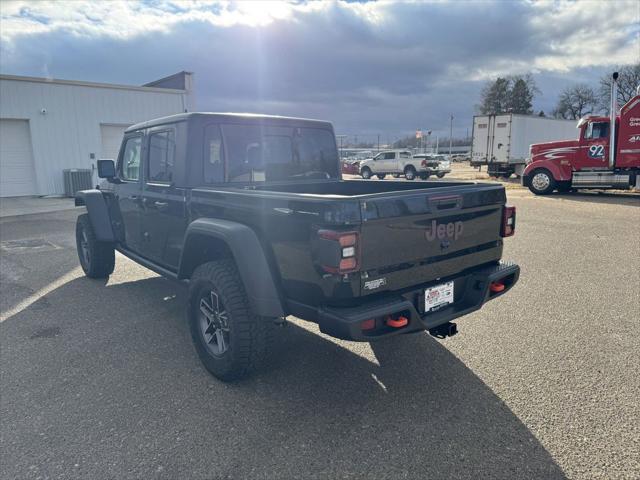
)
(250, 118)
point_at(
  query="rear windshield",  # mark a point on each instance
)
(258, 153)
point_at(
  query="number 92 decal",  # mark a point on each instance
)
(596, 151)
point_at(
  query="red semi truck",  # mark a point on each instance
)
(606, 154)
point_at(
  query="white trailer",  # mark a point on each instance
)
(502, 141)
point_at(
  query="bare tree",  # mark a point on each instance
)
(576, 101)
(628, 82)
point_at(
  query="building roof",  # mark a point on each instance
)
(59, 81)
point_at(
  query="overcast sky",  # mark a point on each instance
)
(370, 67)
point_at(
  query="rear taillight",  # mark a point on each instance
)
(508, 221)
(344, 255)
(424, 163)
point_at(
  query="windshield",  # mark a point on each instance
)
(270, 153)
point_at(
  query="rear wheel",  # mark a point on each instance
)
(231, 341)
(97, 259)
(410, 173)
(366, 173)
(381, 176)
(542, 182)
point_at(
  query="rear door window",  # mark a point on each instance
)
(162, 153)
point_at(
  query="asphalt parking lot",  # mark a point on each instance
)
(100, 380)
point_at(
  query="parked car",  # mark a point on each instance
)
(351, 166)
(252, 213)
(430, 164)
(392, 162)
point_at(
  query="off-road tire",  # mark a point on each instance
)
(410, 173)
(366, 173)
(97, 259)
(542, 187)
(381, 176)
(249, 335)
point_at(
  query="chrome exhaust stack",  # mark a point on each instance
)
(612, 122)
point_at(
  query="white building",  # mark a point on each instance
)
(48, 125)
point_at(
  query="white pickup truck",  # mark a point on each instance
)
(402, 162)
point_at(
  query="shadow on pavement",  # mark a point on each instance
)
(103, 382)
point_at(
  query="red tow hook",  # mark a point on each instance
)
(496, 287)
(397, 322)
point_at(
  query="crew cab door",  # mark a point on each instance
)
(129, 191)
(404, 158)
(389, 162)
(163, 212)
(594, 146)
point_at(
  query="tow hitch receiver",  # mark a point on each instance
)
(448, 329)
(397, 322)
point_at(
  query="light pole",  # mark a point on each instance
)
(450, 135)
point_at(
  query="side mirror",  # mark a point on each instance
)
(106, 169)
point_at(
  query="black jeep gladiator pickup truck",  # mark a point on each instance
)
(251, 210)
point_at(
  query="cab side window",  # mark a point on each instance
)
(405, 155)
(389, 155)
(130, 164)
(162, 153)
(597, 130)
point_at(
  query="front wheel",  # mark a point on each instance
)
(410, 173)
(542, 182)
(230, 339)
(366, 173)
(97, 259)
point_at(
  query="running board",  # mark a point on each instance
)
(148, 264)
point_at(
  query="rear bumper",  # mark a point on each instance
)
(471, 291)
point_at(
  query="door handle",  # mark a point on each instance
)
(161, 205)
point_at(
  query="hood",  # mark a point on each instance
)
(553, 150)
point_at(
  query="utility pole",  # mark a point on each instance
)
(450, 135)
(341, 137)
(378, 142)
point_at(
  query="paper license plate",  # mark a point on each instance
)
(438, 296)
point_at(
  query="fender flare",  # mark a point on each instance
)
(559, 173)
(249, 257)
(98, 213)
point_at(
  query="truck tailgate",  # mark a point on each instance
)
(409, 239)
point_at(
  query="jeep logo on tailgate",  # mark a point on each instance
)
(444, 230)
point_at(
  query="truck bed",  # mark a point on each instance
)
(396, 222)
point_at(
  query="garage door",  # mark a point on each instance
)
(17, 174)
(111, 139)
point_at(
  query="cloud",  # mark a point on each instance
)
(370, 67)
